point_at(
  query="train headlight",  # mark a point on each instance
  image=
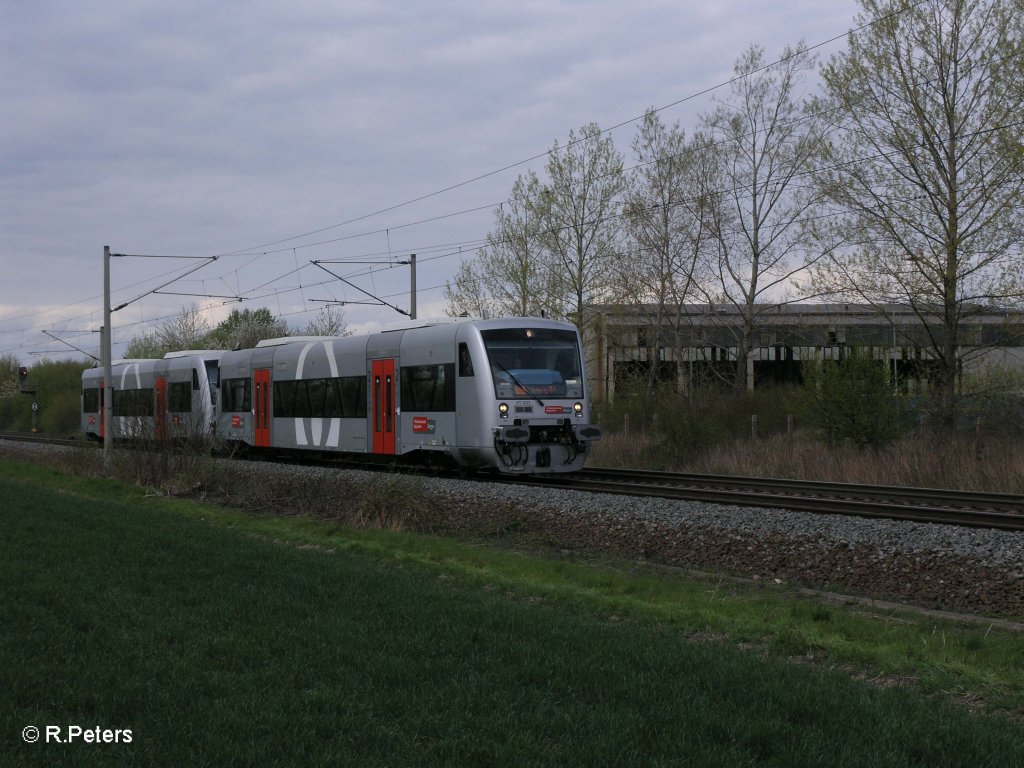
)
(578, 408)
(503, 410)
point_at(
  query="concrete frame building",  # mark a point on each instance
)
(697, 344)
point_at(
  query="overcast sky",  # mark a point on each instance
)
(219, 128)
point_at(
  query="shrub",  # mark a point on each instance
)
(57, 385)
(680, 426)
(852, 400)
(992, 398)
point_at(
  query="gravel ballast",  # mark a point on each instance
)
(935, 566)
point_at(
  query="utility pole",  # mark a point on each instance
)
(412, 288)
(108, 371)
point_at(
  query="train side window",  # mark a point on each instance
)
(180, 399)
(333, 408)
(281, 392)
(353, 396)
(343, 398)
(133, 402)
(236, 395)
(428, 387)
(465, 361)
(315, 390)
(90, 400)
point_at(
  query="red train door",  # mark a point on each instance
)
(382, 382)
(261, 409)
(161, 408)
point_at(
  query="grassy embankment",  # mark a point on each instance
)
(225, 639)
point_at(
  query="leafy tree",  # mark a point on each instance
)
(9, 366)
(926, 171)
(57, 385)
(244, 329)
(765, 142)
(145, 347)
(993, 398)
(466, 294)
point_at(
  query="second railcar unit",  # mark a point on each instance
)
(509, 394)
(174, 397)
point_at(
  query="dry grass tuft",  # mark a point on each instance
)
(993, 464)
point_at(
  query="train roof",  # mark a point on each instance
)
(203, 353)
(410, 325)
(277, 342)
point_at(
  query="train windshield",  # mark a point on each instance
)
(534, 362)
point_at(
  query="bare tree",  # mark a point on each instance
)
(186, 330)
(329, 321)
(189, 329)
(926, 173)
(766, 142)
(511, 275)
(553, 244)
(666, 228)
(580, 221)
(466, 293)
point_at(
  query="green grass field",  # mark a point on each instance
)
(220, 640)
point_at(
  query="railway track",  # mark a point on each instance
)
(32, 437)
(928, 505)
(951, 507)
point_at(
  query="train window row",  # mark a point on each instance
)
(339, 398)
(133, 402)
(129, 402)
(424, 388)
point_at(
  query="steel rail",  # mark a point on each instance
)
(941, 497)
(928, 505)
(1002, 511)
(33, 437)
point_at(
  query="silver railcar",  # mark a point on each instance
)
(170, 398)
(508, 394)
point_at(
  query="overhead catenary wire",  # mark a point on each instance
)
(248, 252)
(547, 153)
(521, 162)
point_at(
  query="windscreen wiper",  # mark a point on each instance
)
(525, 388)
